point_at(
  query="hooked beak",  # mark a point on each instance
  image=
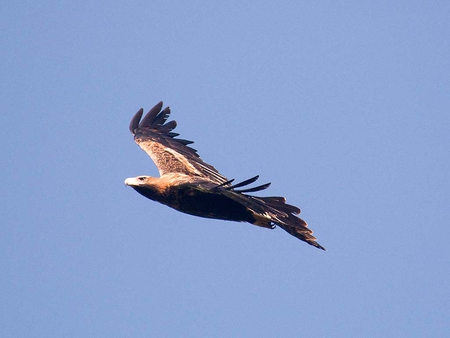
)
(131, 181)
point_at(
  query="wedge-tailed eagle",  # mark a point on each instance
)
(189, 185)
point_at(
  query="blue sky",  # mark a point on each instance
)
(343, 106)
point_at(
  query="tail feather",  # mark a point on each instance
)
(278, 212)
(297, 227)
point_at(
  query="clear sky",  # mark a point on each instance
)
(343, 106)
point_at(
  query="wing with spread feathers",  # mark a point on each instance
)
(170, 154)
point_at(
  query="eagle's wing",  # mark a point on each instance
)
(170, 154)
(270, 211)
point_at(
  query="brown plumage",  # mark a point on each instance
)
(189, 185)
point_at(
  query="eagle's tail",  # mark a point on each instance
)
(277, 212)
(269, 212)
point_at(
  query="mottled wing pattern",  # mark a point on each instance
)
(170, 154)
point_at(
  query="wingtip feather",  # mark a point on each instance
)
(134, 124)
(150, 116)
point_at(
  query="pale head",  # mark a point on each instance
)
(138, 180)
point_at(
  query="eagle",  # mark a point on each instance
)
(192, 186)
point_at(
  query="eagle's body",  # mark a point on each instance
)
(197, 197)
(189, 185)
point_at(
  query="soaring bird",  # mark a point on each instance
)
(190, 185)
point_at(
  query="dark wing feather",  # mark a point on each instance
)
(270, 211)
(170, 154)
(134, 124)
(244, 183)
